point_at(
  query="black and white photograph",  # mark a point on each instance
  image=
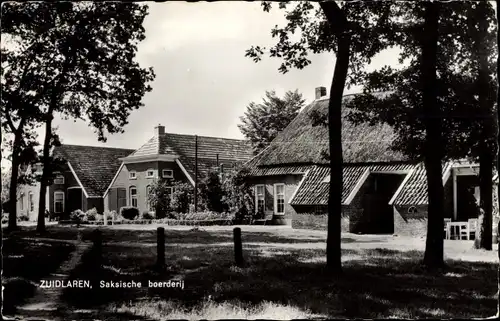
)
(262, 160)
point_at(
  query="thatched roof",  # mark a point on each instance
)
(302, 143)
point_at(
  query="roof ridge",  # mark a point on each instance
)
(235, 139)
(352, 94)
(92, 146)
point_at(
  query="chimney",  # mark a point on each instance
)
(159, 130)
(320, 92)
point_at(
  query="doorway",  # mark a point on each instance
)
(378, 214)
(74, 201)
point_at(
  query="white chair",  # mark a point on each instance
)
(472, 227)
(447, 228)
(464, 231)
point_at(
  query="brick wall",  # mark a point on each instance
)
(410, 222)
(355, 210)
(315, 218)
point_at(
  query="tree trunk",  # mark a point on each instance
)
(485, 237)
(487, 149)
(433, 147)
(13, 180)
(498, 167)
(46, 172)
(338, 25)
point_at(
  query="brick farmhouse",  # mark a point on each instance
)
(110, 178)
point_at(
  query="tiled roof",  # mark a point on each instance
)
(94, 166)
(311, 190)
(279, 170)
(230, 151)
(414, 192)
(314, 190)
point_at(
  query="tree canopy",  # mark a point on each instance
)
(73, 59)
(262, 122)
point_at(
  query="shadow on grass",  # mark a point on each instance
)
(25, 263)
(376, 286)
(376, 283)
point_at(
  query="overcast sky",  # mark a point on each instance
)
(203, 79)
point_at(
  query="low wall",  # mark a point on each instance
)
(316, 222)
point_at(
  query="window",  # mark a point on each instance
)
(167, 173)
(31, 202)
(59, 180)
(150, 173)
(412, 210)
(279, 198)
(58, 202)
(132, 175)
(148, 191)
(133, 196)
(260, 198)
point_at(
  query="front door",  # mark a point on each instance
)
(74, 200)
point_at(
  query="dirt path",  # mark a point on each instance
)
(48, 299)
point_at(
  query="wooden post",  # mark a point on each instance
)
(238, 250)
(160, 245)
(97, 258)
(196, 173)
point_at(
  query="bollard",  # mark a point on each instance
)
(238, 250)
(96, 257)
(160, 246)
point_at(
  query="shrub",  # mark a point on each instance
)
(23, 217)
(159, 197)
(129, 213)
(77, 215)
(205, 216)
(239, 194)
(110, 215)
(182, 197)
(91, 215)
(147, 215)
(212, 193)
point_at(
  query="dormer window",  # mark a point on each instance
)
(150, 173)
(59, 179)
(167, 173)
(132, 175)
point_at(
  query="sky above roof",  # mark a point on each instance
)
(203, 79)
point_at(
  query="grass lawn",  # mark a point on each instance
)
(284, 276)
(25, 263)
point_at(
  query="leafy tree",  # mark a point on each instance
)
(356, 32)
(212, 193)
(159, 197)
(479, 18)
(79, 59)
(239, 194)
(466, 126)
(262, 122)
(182, 197)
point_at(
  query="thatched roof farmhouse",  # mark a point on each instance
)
(383, 190)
